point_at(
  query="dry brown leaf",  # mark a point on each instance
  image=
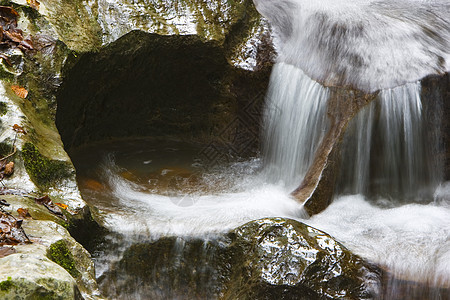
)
(14, 34)
(27, 44)
(20, 91)
(33, 4)
(93, 185)
(9, 169)
(19, 129)
(11, 231)
(8, 12)
(48, 203)
(24, 213)
(5, 59)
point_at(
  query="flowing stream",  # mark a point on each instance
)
(390, 206)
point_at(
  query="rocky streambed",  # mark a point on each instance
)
(77, 73)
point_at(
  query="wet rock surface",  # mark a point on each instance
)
(162, 86)
(436, 92)
(264, 259)
(290, 260)
(41, 269)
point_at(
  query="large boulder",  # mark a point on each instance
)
(161, 86)
(264, 259)
(53, 266)
(280, 258)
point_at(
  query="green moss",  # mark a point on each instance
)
(60, 254)
(6, 74)
(6, 285)
(43, 171)
(3, 108)
(5, 149)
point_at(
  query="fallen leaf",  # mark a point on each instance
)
(5, 59)
(11, 231)
(19, 129)
(8, 12)
(5, 251)
(24, 213)
(48, 203)
(62, 205)
(27, 44)
(9, 169)
(33, 4)
(15, 35)
(20, 91)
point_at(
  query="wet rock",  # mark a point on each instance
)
(264, 259)
(42, 269)
(436, 93)
(234, 24)
(170, 268)
(280, 258)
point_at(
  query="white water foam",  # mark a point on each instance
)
(412, 241)
(367, 44)
(153, 215)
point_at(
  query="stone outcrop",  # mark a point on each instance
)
(264, 259)
(161, 86)
(53, 266)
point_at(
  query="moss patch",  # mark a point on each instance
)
(6, 285)
(60, 254)
(5, 149)
(43, 171)
(3, 108)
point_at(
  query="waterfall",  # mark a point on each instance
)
(382, 47)
(390, 204)
(295, 122)
(388, 150)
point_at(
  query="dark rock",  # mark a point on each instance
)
(279, 258)
(170, 268)
(436, 99)
(264, 259)
(160, 86)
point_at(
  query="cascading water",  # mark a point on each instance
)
(294, 124)
(387, 151)
(383, 207)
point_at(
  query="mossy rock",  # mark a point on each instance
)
(60, 254)
(6, 285)
(43, 171)
(3, 108)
